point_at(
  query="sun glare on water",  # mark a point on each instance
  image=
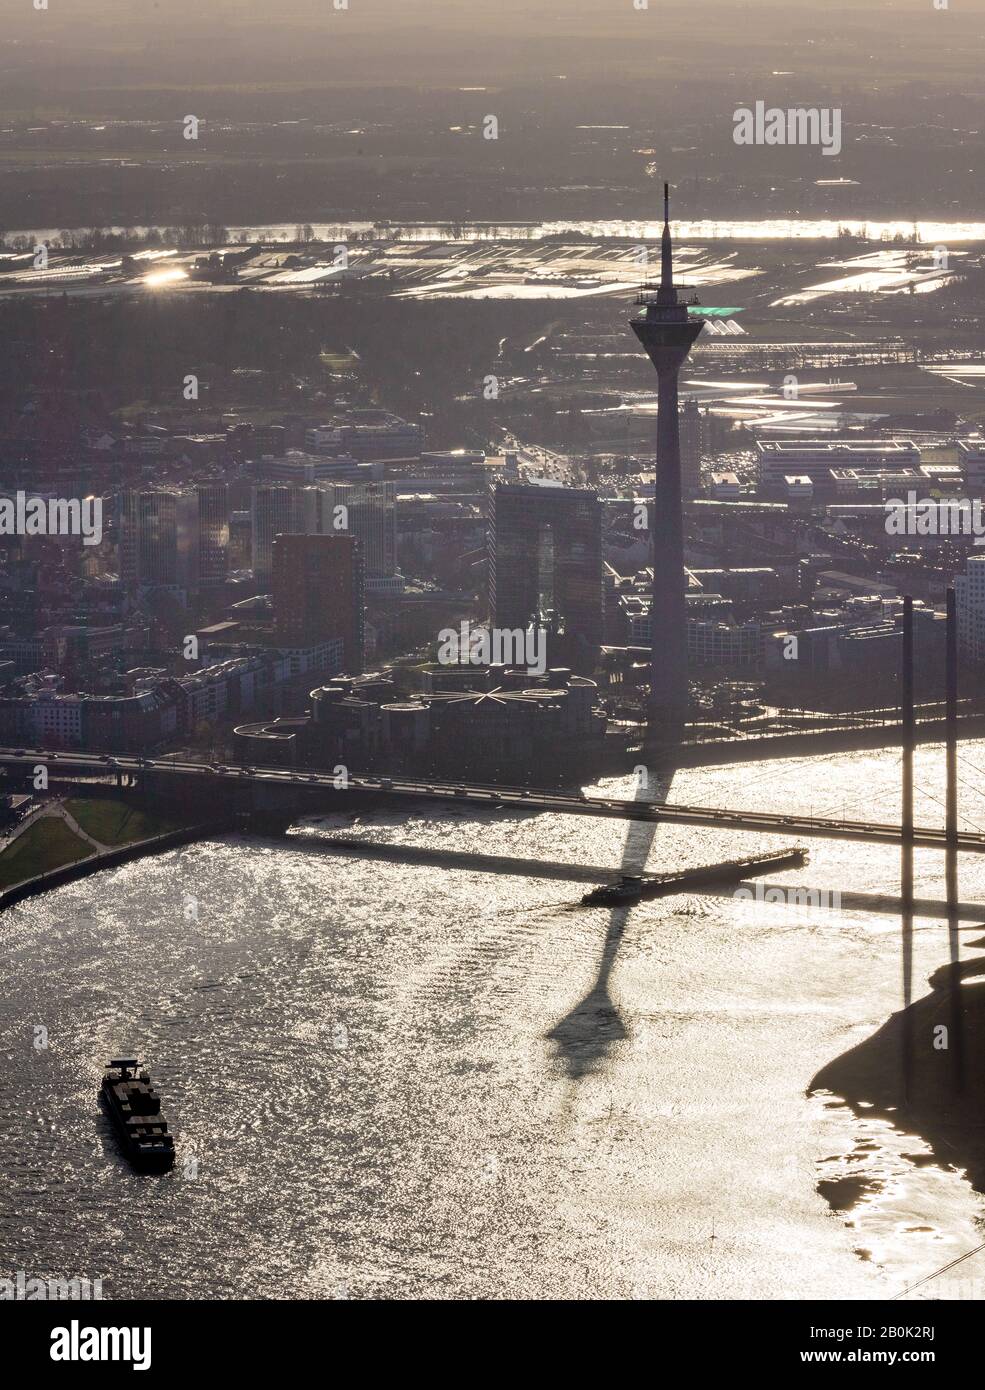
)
(164, 277)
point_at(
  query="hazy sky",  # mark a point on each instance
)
(95, 45)
(115, 58)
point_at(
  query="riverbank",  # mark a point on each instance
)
(73, 838)
(800, 745)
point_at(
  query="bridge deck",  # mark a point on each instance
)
(399, 788)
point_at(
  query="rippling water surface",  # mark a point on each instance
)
(398, 1080)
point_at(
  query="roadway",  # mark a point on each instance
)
(479, 794)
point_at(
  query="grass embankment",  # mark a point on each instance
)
(50, 843)
(116, 823)
(47, 844)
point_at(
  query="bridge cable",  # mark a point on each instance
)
(943, 1270)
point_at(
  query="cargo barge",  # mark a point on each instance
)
(134, 1107)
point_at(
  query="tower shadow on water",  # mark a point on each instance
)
(586, 1035)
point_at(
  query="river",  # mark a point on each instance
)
(397, 1081)
(929, 232)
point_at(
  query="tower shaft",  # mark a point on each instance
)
(667, 333)
(668, 611)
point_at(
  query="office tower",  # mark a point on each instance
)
(279, 509)
(317, 589)
(545, 561)
(174, 537)
(212, 530)
(365, 511)
(969, 590)
(368, 513)
(667, 332)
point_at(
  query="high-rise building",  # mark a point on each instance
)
(212, 522)
(279, 509)
(365, 511)
(545, 560)
(174, 537)
(969, 594)
(971, 457)
(368, 513)
(667, 332)
(317, 588)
